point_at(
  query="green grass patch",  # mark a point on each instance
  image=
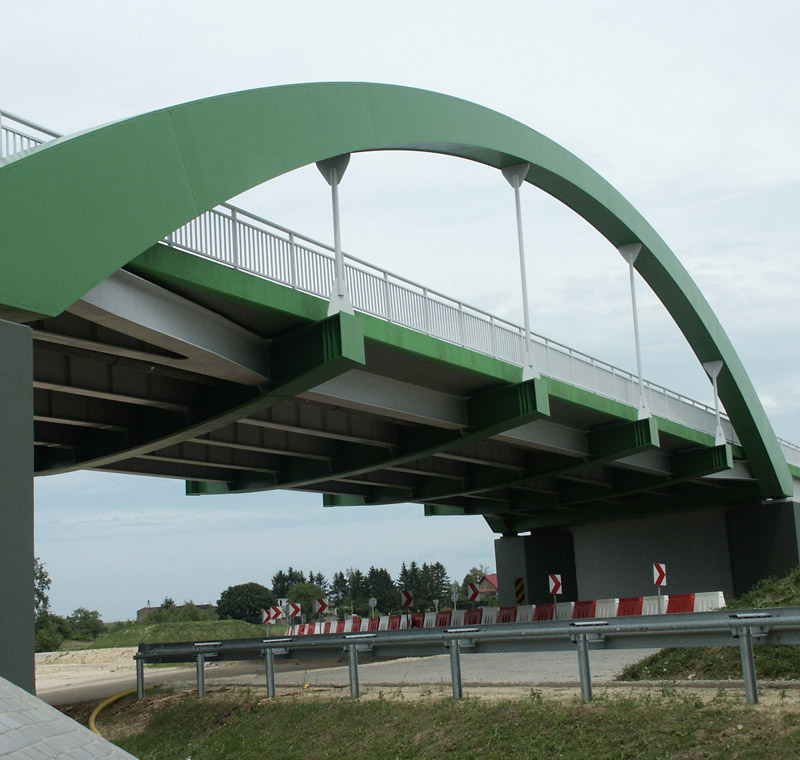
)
(715, 663)
(234, 726)
(133, 634)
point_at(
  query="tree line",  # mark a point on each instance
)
(350, 591)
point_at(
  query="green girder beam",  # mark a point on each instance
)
(605, 444)
(488, 413)
(684, 465)
(299, 361)
(63, 202)
(643, 505)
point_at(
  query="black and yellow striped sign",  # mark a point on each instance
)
(519, 589)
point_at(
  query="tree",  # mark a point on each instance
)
(50, 630)
(381, 586)
(86, 624)
(282, 582)
(245, 602)
(41, 585)
(433, 584)
(304, 594)
(473, 576)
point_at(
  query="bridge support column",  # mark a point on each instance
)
(16, 505)
(532, 558)
(763, 540)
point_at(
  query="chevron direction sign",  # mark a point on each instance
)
(320, 605)
(555, 584)
(406, 598)
(294, 610)
(266, 616)
(277, 612)
(473, 592)
(659, 574)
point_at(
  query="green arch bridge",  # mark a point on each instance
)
(149, 327)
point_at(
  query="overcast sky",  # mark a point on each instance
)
(689, 109)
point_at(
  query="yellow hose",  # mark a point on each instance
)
(105, 703)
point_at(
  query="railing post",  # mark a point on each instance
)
(234, 239)
(352, 654)
(461, 330)
(270, 658)
(493, 335)
(140, 679)
(201, 675)
(583, 668)
(748, 666)
(426, 312)
(455, 669)
(387, 295)
(292, 261)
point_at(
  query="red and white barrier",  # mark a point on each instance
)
(705, 601)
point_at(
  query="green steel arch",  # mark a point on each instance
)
(79, 208)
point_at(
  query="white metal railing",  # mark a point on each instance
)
(18, 134)
(250, 243)
(244, 241)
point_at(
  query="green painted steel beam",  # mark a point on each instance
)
(298, 361)
(488, 413)
(689, 498)
(605, 444)
(684, 466)
(68, 222)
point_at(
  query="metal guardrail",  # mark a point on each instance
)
(234, 237)
(699, 629)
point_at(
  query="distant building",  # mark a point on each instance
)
(487, 585)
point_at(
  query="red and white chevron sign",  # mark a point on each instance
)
(406, 598)
(277, 612)
(555, 584)
(294, 609)
(266, 616)
(473, 592)
(320, 605)
(659, 574)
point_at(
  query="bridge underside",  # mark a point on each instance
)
(190, 370)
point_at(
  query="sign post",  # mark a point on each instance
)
(659, 580)
(454, 594)
(556, 589)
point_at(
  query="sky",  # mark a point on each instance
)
(689, 109)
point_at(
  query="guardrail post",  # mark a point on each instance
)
(139, 679)
(270, 657)
(201, 675)
(455, 669)
(426, 312)
(748, 666)
(353, 667)
(583, 668)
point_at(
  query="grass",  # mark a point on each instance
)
(715, 663)
(246, 728)
(133, 634)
